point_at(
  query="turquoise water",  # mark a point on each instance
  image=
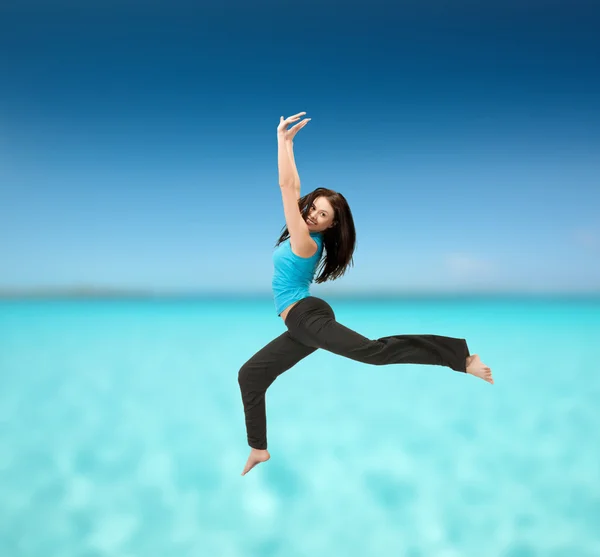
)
(122, 433)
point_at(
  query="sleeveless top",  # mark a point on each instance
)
(292, 274)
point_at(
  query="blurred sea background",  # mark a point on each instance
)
(138, 212)
(124, 433)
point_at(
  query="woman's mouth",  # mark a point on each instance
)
(310, 221)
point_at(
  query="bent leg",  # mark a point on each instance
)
(258, 373)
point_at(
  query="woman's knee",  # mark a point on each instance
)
(244, 374)
(251, 376)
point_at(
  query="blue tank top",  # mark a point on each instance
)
(293, 274)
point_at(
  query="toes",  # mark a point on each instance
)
(247, 468)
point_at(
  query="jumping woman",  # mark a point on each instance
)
(321, 223)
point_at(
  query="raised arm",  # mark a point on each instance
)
(289, 182)
(288, 173)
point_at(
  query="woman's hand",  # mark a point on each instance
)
(288, 134)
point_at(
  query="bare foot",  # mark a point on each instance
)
(477, 368)
(256, 457)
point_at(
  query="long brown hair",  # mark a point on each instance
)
(339, 240)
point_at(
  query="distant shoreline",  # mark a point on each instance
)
(123, 294)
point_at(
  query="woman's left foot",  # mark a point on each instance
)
(256, 457)
(477, 368)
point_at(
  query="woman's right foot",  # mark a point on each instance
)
(477, 368)
(256, 457)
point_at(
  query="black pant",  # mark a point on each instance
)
(311, 324)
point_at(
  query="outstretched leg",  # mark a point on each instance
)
(316, 326)
(255, 377)
(325, 332)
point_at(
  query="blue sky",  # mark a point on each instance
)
(138, 147)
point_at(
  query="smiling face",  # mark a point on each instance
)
(321, 215)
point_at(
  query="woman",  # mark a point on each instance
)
(322, 221)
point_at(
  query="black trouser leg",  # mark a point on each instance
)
(313, 323)
(257, 374)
